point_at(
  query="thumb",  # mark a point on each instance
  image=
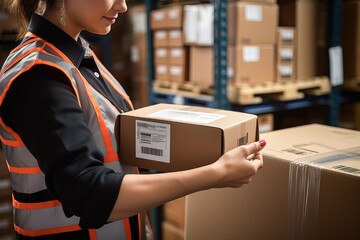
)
(255, 147)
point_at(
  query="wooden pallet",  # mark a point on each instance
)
(352, 85)
(186, 89)
(278, 91)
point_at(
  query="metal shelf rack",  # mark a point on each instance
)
(220, 99)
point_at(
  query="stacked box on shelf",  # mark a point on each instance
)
(285, 55)
(6, 217)
(138, 55)
(170, 53)
(251, 31)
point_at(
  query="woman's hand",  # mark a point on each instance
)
(238, 165)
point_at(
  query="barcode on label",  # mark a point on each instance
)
(347, 169)
(152, 151)
(294, 151)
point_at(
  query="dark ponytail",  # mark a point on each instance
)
(22, 10)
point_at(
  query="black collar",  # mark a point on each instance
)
(46, 30)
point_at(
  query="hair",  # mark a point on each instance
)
(23, 9)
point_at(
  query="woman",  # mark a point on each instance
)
(58, 110)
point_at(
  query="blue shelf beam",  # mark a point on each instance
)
(335, 39)
(220, 54)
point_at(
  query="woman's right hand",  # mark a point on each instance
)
(238, 165)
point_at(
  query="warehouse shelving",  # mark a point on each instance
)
(220, 99)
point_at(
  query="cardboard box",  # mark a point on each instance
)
(158, 19)
(167, 18)
(248, 59)
(177, 73)
(171, 232)
(202, 66)
(162, 56)
(351, 40)
(138, 19)
(167, 137)
(162, 72)
(251, 23)
(174, 213)
(307, 189)
(176, 38)
(266, 122)
(255, 1)
(177, 56)
(174, 17)
(304, 16)
(161, 38)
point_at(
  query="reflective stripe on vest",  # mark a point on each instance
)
(38, 219)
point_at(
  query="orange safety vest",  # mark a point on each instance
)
(44, 218)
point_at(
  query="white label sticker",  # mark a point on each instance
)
(251, 54)
(152, 141)
(187, 116)
(253, 13)
(336, 66)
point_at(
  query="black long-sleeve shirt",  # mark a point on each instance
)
(43, 109)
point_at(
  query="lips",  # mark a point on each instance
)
(111, 19)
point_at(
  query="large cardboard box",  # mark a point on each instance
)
(167, 137)
(251, 23)
(308, 188)
(247, 61)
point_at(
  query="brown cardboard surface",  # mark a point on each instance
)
(177, 73)
(174, 212)
(161, 56)
(161, 38)
(162, 72)
(186, 137)
(249, 59)
(201, 66)
(176, 38)
(307, 189)
(174, 16)
(255, 1)
(178, 56)
(251, 23)
(351, 40)
(306, 13)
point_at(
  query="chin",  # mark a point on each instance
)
(102, 32)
